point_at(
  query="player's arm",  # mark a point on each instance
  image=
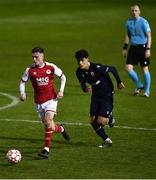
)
(85, 88)
(124, 49)
(22, 91)
(147, 31)
(62, 86)
(115, 73)
(126, 41)
(58, 72)
(24, 79)
(82, 82)
(148, 47)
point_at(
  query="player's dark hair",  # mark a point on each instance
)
(37, 49)
(82, 53)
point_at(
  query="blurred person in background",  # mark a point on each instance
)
(138, 33)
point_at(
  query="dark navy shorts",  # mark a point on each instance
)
(136, 54)
(101, 106)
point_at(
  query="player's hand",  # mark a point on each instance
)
(121, 86)
(23, 97)
(60, 95)
(124, 53)
(147, 53)
(89, 89)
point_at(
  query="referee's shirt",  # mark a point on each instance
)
(137, 29)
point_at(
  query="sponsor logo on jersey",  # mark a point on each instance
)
(48, 71)
(42, 81)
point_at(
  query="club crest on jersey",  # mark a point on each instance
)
(48, 71)
(92, 74)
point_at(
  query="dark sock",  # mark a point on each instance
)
(110, 118)
(101, 133)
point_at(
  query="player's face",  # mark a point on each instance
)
(38, 58)
(83, 63)
(135, 12)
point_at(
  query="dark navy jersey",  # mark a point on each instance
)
(98, 77)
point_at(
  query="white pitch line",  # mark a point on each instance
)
(14, 101)
(79, 124)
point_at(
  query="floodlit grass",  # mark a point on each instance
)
(62, 27)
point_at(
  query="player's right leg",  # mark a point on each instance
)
(111, 120)
(98, 122)
(134, 76)
(46, 112)
(49, 129)
(100, 131)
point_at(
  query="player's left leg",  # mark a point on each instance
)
(57, 128)
(144, 63)
(105, 111)
(98, 128)
(109, 120)
(147, 79)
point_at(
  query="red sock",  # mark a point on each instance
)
(48, 137)
(58, 128)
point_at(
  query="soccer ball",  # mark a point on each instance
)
(13, 156)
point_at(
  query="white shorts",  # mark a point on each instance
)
(49, 106)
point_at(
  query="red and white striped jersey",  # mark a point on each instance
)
(42, 79)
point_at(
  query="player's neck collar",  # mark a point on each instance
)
(42, 65)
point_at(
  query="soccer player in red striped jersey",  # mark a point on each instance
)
(41, 75)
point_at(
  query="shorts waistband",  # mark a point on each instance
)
(138, 45)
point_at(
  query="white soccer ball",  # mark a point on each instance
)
(13, 156)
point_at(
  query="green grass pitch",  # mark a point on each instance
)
(61, 27)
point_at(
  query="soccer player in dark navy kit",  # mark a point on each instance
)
(138, 32)
(101, 107)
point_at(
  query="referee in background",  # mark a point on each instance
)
(138, 32)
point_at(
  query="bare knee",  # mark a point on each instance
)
(128, 67)
(102, 120)
(145, 69)
(48, 121)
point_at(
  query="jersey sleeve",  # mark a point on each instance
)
(106, 69)
(126, 26)
(81, 80)
(102, 68)
(25, 76)
(146, 26)
(57, 71)
(115, 73)
(127, 29)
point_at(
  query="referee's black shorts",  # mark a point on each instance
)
(101, 106)
(136, 54)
